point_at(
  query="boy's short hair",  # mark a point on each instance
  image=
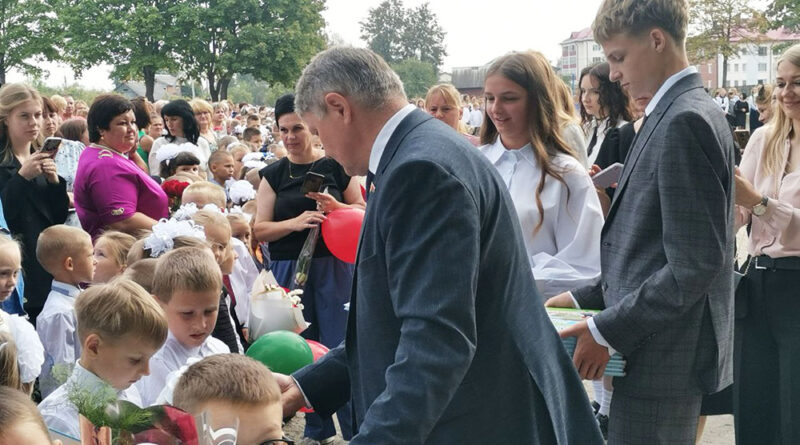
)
(142, 273)
(218, 156)
(249, 132)
(212, 192)
(187, 268)
(119, 308)
(225, 141)
(118, 245)
(233, 378)
(238, 147)
(638, 16)
(253, 117)
(16, 408)
(57, 242)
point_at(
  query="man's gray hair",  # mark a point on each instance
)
(356, 73)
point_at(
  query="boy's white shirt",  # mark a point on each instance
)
(170, 358)
(242, 278)
(61, 415)
(56, 326)
(30, 352)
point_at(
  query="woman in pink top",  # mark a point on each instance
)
(111, 192)
(767, 388)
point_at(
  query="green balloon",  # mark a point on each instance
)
(281, 351)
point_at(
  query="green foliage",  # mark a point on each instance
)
(397, 33)
(785, 13)
(270, 39)
(245, 88)
(417, 76)
(101, 407)
(718, 22)
(76, 91)
(27, 32)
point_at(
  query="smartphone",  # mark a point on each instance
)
(51, 146)
(607, 177)
(312, 183)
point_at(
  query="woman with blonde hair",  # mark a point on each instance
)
(203, 112)
(767, 389)
(34, 196)
(443, 102)
(555, 199)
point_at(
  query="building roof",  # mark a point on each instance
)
(773, 35)
(580, 36)
(136, 88)
(469, 76)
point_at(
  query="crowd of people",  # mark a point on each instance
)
(130, 250)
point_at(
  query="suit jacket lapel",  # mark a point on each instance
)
(641, 139)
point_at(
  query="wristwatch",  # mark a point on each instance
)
(761, 208)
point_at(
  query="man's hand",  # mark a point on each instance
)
(560, 300)
(590, 358)
(291, 397)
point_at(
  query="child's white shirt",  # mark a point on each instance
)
(242, 278)
(170, 358)
(30, 353)
(61, 415)
(57, 329)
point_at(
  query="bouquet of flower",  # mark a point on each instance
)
(273, 308)
(174, 190)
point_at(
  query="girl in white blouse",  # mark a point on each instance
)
(555, 199)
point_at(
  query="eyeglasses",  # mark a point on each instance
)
(283, 441)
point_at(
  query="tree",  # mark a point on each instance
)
(27, 33)
(245, 88)
(417, 76)
(784, 13)
(398, 34)
(724, 26)
(136, 36)
(270, 39)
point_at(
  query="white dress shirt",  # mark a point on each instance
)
(669, 83)
(385, 134)
(475, 118)
(170, 358)
(602, 127)
(30, 353)
(61, 415)
(574, 137)
(152, 159)
(565, 251)
(56, 326)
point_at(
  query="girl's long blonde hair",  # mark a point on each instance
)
(546, 114)
(12, 95)
(780, 128)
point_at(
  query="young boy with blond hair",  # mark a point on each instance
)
(188, 288)
(230, 387)
(120, 327)
(221, 166)
(202, 193)
(67, 254)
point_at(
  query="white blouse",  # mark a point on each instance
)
(602, 129)
(30, 353)
(152, 160)
(565, 252)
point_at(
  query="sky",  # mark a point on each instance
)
(476, 31)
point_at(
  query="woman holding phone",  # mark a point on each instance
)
(284, 217)
(34, 196)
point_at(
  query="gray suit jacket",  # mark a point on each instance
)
(667, 251)
(447, 341)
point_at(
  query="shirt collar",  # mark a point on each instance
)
(669, 83)
(496, 150)
(65, 289)
(82, 378)
(383, 136)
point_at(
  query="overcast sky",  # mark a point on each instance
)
(476, 30)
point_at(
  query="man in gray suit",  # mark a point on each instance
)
(666, 288)
(448, 341)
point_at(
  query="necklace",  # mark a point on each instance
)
(299, 176)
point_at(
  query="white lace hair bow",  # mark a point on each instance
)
(168, 152)
(254, 156)
(186, 211)
(165, 232)
(238, 210)
(240, 191)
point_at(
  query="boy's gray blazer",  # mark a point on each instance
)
(667, 251)
(448, 341)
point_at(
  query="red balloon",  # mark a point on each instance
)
(341, 230)
(317, 349)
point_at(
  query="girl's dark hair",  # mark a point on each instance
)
(613, 99)
(48, 105)
(103, 110)
(72, 129)
(169, 166)
(180, 108)
(142, 108)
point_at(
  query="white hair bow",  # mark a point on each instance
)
(240, 191)
(166, 230)
(168, 152)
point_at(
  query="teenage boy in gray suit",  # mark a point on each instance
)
(447, 339)
(666, 288)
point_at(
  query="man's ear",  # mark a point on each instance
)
(69, 264)
(339, 106)
(658, 39)
(92, 344)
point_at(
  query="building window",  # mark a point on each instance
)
(762, 67)
(709, 69)
(762, 50)
(596, 47)
(597, 59)
(735, 67)
(736, 83)
(744, 67)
